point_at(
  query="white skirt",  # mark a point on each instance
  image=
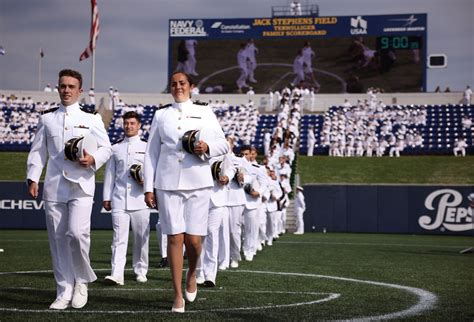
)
(184, 211)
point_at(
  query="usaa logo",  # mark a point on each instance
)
(359, 26)
(449, 215)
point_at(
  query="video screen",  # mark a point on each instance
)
(330, 65)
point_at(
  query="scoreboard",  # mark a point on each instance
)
(385, 51)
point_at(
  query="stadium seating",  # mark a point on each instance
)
(443, 126)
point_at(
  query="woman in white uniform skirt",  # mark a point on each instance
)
(180, 182)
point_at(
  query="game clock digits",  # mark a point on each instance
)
(398, 42)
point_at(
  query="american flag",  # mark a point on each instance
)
(94, 32)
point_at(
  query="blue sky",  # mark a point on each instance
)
(132, 50)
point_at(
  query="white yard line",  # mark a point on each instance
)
(426, 300)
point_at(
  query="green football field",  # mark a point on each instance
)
(307, 277)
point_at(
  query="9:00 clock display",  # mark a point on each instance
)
(399, 42)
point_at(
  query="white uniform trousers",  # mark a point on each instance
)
(250, 232)
(299, 221)
(162, 240)
(283, 220)
(140, 222)
(224, 240)
(311, 148)
(235, 231)
(68, 226)
(278, 224)
(272, 225)
(211, 243)
(262, 225)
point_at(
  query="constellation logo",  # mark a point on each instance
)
(186, 28)
(448, 213)
(227, 29)
(359, 26)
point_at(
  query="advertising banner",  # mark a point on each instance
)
(19, 211)
(442, 210)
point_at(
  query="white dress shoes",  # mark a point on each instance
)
(110, 280)
(141, 279)
(189, 296)
(178, 309)
(79, 298)
(234, 264)
(59, 304)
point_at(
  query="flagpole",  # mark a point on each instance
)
(93, 70)
(39, 73)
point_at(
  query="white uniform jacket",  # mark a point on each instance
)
(257, 175)
(220, 193)
(272, 194)
(55, 128)
(236, 193)
(299, 201)
(119, 186)
(167, 165)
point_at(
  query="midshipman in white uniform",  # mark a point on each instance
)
(123, 194)
(69, 187)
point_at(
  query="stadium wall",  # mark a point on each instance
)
(404, 209)
(322, 102)
(19, 211)
(411, 209)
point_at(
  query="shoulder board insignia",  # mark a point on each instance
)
(163, 106)
(200, 103)
(144, 140)
(118, 141)
(255, 165)
(49, 110)
(88, 110)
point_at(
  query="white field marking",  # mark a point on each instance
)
(328, 297)
(426, 300)
(342, 81)
(368, 244)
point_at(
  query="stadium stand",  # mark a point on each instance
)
(417, 129)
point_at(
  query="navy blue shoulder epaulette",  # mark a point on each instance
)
(255, 165)
(200, 103)
(118, 141)
(49, 110)
(144, 140)
(88, 111)
(164, 106)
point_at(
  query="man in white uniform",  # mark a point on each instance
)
(270, 197)
(253, 194)
(69, 188)
(191, 45)
(300, 207)
(298, 68)
(123, 194)
(251, 52)
(218, 221)
(92, 96)
(311, 141)
(236, 203)
(242, 63)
